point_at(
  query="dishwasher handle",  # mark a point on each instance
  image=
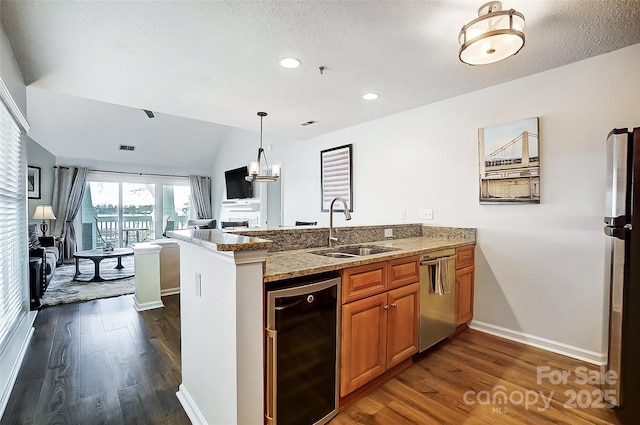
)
(428, 261)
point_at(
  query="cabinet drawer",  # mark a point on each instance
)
(363, 281)
(464, 256)
(403, 271)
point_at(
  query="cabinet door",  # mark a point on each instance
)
(363, 281)
(363, 342)
(464, 295)
(402, 333)
(403, 271)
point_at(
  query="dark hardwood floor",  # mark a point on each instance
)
(101, 362)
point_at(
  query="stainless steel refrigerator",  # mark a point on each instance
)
(622, 227)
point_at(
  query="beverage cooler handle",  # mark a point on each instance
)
(272, 355)
(617, 232)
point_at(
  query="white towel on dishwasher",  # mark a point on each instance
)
(442, 277)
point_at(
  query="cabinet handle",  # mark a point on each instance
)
(393, 305)
(386, 307)
(466, 256)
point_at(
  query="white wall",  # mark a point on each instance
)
(539, 268)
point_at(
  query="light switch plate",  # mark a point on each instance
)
(403, 214)
(426, 214)
(388, 233)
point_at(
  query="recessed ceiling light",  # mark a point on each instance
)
(290, 63)
(370, 96)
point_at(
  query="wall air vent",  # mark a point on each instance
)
(127, 148)
(304, 124)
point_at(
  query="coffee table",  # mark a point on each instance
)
(97, 255)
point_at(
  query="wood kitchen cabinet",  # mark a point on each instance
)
(363, 342)
(464, 284)
(379, 331)
(402, 323)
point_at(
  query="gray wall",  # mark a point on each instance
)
(40, 157)
(11, 74)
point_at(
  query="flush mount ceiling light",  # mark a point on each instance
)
(370, 96)
(290, 63)
(493, 36)
(271, 174)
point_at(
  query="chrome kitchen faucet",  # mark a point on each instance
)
(347, 216)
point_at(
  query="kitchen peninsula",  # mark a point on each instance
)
(222, 302)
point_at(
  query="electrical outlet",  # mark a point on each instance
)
(426, 214)
(388, 233)
(403, 215)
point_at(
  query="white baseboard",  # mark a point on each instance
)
(190, 407)
(169, 291)
(543, 343)
(13, 375)
(147, 306)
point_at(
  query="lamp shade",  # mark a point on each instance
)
(493, 36)
(44, 212)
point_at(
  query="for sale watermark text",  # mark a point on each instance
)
(499, 397)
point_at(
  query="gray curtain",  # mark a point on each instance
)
(68, 190)
(201, 196)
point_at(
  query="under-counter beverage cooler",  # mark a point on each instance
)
(302, 351)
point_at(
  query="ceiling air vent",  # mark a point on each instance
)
(304, 124)
(127, 148)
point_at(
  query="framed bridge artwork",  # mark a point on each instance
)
(509, 158)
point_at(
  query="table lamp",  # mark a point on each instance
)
(45, 213)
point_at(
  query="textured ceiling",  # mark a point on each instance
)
(218, 61)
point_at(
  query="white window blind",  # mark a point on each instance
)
(13, 224)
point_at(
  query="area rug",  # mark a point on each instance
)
(64, 290)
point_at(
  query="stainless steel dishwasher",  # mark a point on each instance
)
(437, 297)
(302, 319)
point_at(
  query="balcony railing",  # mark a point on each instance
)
(135, 228)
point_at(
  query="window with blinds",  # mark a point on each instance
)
(13, 225)
(336, 177)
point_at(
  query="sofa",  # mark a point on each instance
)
(41, 272)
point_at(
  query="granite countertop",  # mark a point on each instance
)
(219, 240)
(288, 264)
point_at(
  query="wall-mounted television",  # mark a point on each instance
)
(237, 186)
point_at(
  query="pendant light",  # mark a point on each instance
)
(493, 36)
(255, 167)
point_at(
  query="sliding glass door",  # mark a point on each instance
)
(138, 206)
(122, 209)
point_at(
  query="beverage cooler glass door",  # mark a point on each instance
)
(302, 350)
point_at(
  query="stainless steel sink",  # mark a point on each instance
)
(353, 251)
(336, 254)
